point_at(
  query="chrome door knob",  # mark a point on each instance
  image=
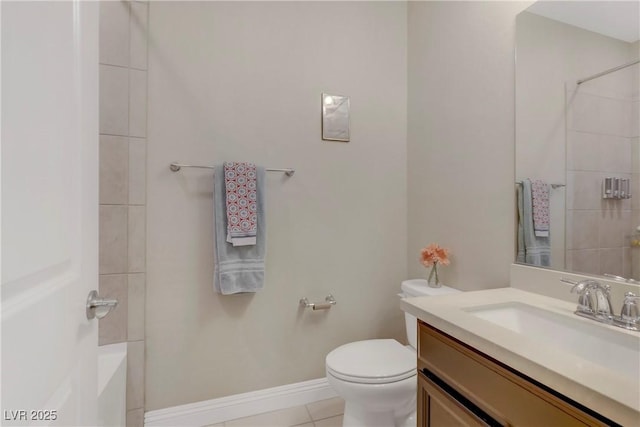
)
(98, 307)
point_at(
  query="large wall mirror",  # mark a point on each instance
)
(577, 128)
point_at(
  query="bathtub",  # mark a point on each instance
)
(112, 384)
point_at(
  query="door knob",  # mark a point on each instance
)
(99, 307)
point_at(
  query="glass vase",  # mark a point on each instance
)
(434, 280)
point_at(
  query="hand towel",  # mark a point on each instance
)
(532, 250)
(242, 218)
(238, 268)
(540, 201)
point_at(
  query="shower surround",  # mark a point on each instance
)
(123, 145)
(602, 141)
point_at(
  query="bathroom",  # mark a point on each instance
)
(434, 131)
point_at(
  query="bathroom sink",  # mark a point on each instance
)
(612, 349)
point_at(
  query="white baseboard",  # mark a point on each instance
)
(240, 405)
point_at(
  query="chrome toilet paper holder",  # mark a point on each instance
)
(329, 301)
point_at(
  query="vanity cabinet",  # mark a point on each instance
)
(459, 386)
(438, 408)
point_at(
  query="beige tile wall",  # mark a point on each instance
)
(635, 168)
(123, 152)
(601, 139)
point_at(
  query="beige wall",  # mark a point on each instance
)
(592, 140)
(243, 81)
(460, 138)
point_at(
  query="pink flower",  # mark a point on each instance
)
(434, 254)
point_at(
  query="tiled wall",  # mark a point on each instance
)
(123, 147)
(602, 135)
(635, 168)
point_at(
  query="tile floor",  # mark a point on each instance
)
(324, 413)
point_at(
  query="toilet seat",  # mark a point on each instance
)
(372, 362)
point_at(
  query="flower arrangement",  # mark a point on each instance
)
(431, 256)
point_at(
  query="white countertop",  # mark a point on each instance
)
(603, 390)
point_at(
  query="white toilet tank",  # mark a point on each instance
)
(419, 288)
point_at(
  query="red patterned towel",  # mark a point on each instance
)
(242, 211)
(540, 202)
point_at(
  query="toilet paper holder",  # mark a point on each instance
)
(329, 301)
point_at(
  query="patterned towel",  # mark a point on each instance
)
(242, 211)
(540, 201)
(237, 269)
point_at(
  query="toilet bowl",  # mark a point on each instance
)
(377, 378)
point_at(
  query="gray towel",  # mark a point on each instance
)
(237, 268)
(532, 250)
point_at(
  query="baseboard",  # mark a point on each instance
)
(240, 405)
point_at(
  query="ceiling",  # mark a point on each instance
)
(617, 19)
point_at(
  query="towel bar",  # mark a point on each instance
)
(554, 186)
(329, 301)
(175, 167)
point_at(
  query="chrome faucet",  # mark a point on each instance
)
(594, 297)
(594, 302)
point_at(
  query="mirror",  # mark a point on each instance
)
(335, 117)
(571, 137)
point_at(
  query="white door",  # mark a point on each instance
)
(49, 211)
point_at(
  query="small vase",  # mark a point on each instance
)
(434, 280)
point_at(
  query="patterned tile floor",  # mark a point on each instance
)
(324, 413)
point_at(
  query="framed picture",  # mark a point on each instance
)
(335, 117)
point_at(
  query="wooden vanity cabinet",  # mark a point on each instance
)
(459, 386)
(437, 408)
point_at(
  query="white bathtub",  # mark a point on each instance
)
(112, 384)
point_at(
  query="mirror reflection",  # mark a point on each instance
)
(577, 128)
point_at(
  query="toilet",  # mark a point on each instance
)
(377, 378)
